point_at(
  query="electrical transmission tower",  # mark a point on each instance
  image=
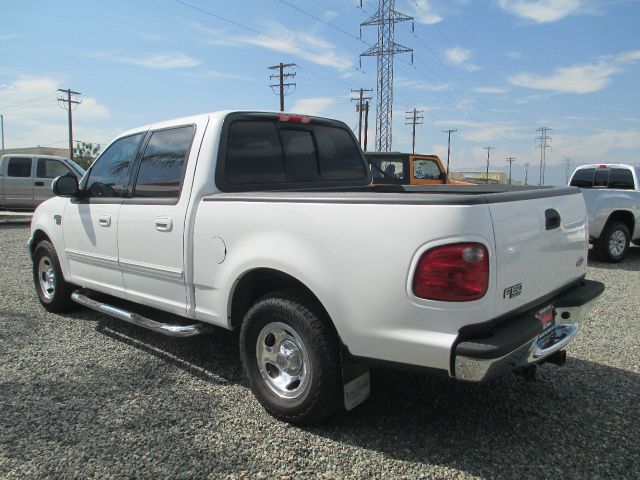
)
(449, 148)
(360, 108)
(526, 172)
(67, 103)
(283, 87)
(543, 150)
(510, 160)
(412, 118)
(385, 48)
(567, 169)
(488, 149)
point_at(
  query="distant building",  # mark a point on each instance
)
(481, 177)
(58, 152)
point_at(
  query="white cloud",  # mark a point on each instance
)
(280, 38)
(211, 74)
(7, 36)
(312, 106)
(490, 90)
(597, 146)
(543, 11)
(405, 82)
(457, 55)
(162, 61)
(33, 116)
(579, 79)
(515, 55)
(482, 132)
(423, 12)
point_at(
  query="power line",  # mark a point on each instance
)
(488, 149)
(281, 76)
(543, 151)
(526, 172)
(412, 118)
(360, 108)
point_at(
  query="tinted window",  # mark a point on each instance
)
(339, 156)
(162, 166)
(19, 167)
(426, 169)
(254, 154)
(601, 178)
(51, 168)
(110, 173)
(583, 178)
(300, 153)
(621, 178)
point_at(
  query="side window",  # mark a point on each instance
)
(339, 156)
(109, 174)
(601, 178)
(19, 167)
(254, 154)
(162, 166)
(48, 168)
(583, 178)
(300, 154)
(426, 169)
(621, 178)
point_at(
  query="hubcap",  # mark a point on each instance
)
(283, 360)
(617, 242)
(47, 278)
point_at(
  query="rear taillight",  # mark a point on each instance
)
(453, 273)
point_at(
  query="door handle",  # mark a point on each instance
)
(552, 219)
(39, 184)
(164, 224)
(104, 220)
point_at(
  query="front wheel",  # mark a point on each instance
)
(291, 358)
(613, 244)
(53, 291)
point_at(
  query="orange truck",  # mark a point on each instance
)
(407, 169)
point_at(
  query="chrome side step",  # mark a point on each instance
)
(81, 297)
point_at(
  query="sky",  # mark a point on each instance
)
(495, 70)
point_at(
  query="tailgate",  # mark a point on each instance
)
(541, 246)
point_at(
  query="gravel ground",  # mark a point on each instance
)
(82, 395)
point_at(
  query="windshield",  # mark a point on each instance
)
(388, 168)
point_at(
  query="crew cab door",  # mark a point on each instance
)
(18, 182)
(46, 170)
(90, 223)
(151, 226)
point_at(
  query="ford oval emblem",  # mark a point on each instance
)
(580, 261)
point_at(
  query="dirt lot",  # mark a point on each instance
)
(84, 395)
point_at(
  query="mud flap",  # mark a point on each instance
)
(356, 383)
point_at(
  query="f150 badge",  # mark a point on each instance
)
(512, 291)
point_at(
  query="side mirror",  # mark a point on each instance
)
(65, 186)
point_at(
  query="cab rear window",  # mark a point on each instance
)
(263, 152)
(618, 178)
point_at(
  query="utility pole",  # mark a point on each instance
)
(366, 123)
(543, 150)
(448, 148)
(567, 169)
(2, 128)
(488, 149)
(68, 105)
(281, 76)
(510, 160)
(526, 172)
(360, 108)
(384, 49)
(412, 118)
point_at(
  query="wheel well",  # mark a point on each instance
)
(262, 281)
(38, 236)
(624, 217)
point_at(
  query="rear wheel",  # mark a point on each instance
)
(291, 358)
(613, 243)
(53, 291)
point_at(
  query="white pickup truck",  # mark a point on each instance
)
(268, 224)
(612, 196)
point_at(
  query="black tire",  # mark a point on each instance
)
(300, 330)
(53, 291)
(613, 244)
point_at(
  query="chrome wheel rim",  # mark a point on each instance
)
(283, 360)
(47, 277)
(617, 242)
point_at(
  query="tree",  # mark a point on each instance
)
(85, 153)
